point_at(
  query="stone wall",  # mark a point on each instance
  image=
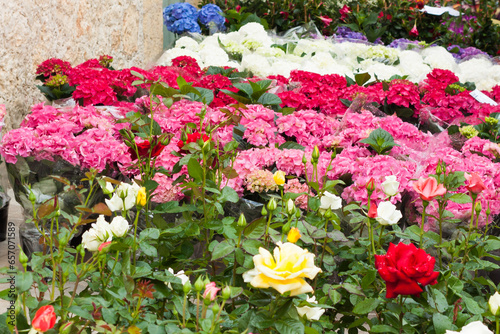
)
(76, 30)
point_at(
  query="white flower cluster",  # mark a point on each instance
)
(253, 45)
(124, 197)
(102, 231)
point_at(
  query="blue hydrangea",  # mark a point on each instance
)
(185, 25)
(212, 13)
(179, 11)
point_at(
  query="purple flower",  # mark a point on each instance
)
(347, 33)
(403, 43)
(469, 52)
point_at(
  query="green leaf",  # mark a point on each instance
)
(362, 78)
(147, 249)
(195, 170)
(289, 326)
(269, 99)
(77, 310)
(291, 145)
(252, 246)
(460, 198)
(383, 329)
(366, 306)
(244, 87)
(24, 280)
(441, 323)
(229, 195)
(222, 249)
(149, 233)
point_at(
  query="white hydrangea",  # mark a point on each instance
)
(235, 47)
(476, 70)
(187, 43)
(167, 57)
(257, 64)
(383, 72)
(412, 64)
(213, 55)
(283, 67)
(439, 57)
(270, 52)
(382, 54)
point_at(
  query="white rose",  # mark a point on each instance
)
(387, 214)
(119, 226)
(476, 327)
(494, 303)
(390, 185)
(102, 229)
(127, 192)
(180, 274)
(115, 203)
(90, 241)
(311, 313)
(330, 201)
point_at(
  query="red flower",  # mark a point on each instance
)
(285, 15)
(406, 269)
(370, 186)
(143, 150)
(475, 184)
(428, 188)
(192, 138)
(45, 318)
(344, 11)
(414, 31)
(238, 8)
(326, 20)
(372, 213)
(380, 15)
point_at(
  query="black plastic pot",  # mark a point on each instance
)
(4, 215)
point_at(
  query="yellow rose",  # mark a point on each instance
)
(279, 177)
(141, 197)
(285, 271)
(293, 235)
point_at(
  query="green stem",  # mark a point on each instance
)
(497, 331)
(424, 205)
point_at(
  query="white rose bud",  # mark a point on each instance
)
(494, 303)
(119, 226)
(390, 185)
(290, 207)
(115, 203)
(311, 313)
(89, 240)
(387, 214)
(102, 229)
(476, 327)
(330, 201)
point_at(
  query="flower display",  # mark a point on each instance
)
(406, 269)
(44, 319)
(284, 270)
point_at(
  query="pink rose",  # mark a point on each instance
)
(210, 291)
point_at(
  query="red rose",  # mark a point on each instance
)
(143, 150)
(406, 269)
(45, 319)
(192, 138)
(372, 213)
(475, 184)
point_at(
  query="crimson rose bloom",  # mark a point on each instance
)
(143, 150)
(192, 138)
(406, 269)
